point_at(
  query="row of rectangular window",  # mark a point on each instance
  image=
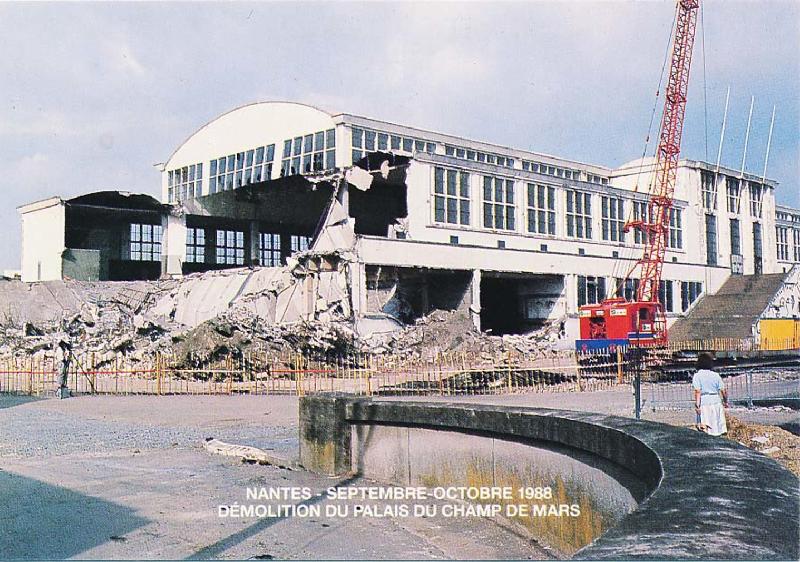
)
(643, 212)
(782, 239)
(555, 171)
(184, 183)
(315, 152)
(478, 156)
(592, 290)
(451, 205)
(230, 246)
(365, 140)
(243, 168)
(787, 217)
(733, 190)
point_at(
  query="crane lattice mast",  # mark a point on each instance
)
(656, 223)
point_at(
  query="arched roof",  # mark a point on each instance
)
(259, 122)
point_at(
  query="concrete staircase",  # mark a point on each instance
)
(731, 312)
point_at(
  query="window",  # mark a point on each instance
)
(690, 291)
(641, 212)
(613, 215)
(675, 238)
(184, 183)
(579, 214)
(665, 295)
(734, 200)
(242, 168)
(269, 249)
(708, 185)
(796, 237)
(230, 247)
(541, 209)
(195, 245)
(756, 194)
(592, 178)
(145, 242)
(711, 239)
(475, 156)
(591, 290)
(450, 196)
(312, 153)
(627, 288)
(736, 238)
(299, 243)
(782, 237)
(365, 140)
(757, 249)
(498, 203)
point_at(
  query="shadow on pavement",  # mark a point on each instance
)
(41, 521)
(11, 400)
(216, 549)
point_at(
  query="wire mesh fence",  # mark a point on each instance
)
(259, 372)
(297, 373)
(743, 387)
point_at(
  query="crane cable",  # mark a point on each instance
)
(620, 265)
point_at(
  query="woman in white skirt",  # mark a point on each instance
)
(710, 397)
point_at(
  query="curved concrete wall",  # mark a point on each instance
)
(705, 497)
(600, 492)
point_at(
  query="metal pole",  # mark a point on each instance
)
(722, 133)
(637, 388)
(769, 142)
(747, 134)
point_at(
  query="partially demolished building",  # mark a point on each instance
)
(412, 221)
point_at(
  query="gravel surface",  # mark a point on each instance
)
(42, 428)
(127, 478)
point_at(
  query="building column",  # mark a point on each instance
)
(343, 196)
(358, 288)
(571, 289)
(173, 245)
(254, 244)
(475, 293)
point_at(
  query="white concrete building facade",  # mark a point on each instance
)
(515, 230)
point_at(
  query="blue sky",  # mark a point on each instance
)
(94, 94)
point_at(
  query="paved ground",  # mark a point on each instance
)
(126, 477)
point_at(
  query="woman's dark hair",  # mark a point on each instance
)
(705, 361)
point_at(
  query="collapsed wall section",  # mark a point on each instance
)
(407, 294)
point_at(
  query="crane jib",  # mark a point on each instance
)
(644, 316)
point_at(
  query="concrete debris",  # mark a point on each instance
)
(205, 317)
(454, 332)
(785, 446)
(247, 453)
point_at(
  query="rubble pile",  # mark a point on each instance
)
(205, 317)
(769, 440)
(99, 318)
(195, 321)
(451, 331)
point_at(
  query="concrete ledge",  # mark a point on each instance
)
(709, 497)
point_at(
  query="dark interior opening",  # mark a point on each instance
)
(517, 304)
(500, 309)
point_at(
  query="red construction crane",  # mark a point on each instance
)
(615, 321)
